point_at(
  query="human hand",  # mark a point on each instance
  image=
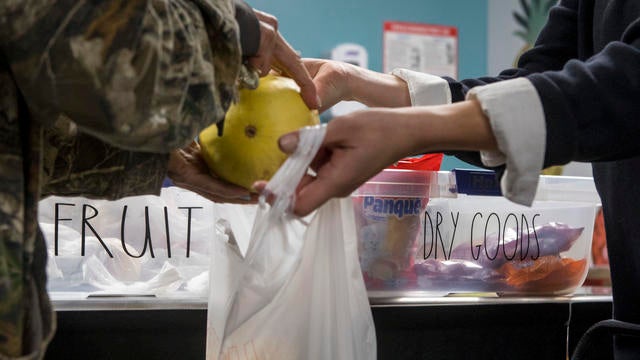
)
(276, 53)
(337, 81)
(187, 169)
(359, 145)
(356, 147)
(331, 80)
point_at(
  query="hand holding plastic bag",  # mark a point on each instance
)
(298, 292)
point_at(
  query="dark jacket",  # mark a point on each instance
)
(585, 66)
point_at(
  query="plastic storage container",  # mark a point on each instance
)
(489, 244)
(389, 211)
(476, 243)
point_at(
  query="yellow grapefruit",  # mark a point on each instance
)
(248, 148)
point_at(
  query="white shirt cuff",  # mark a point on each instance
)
(517, 119)
(425, 89)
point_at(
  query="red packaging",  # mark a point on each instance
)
(429, 162)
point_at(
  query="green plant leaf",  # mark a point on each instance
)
(536, 4)
(522, 35)
(521, 20)
(532, 18)
(525, 7)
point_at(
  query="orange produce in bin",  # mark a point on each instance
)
(544, 274)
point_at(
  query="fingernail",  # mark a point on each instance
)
(319, 102)
(288, 142)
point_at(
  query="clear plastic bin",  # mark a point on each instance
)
(468, 243)
(489, 244)
(389, 211)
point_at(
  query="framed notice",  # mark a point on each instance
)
(426, 48)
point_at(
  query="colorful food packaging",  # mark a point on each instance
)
(389, 209)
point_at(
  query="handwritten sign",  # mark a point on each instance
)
(87, 227)
(143, 244)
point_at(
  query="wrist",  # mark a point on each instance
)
(377, 89)
(354, 76)
(458, 126)
(476, 132)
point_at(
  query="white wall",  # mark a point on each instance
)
(503, 46)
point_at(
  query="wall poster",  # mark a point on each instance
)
(426, 48)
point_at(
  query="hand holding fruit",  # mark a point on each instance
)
(188, 170)
(336, 81)
(330, 79)
(276, 53)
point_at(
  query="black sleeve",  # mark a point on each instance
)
(591, 106)
(249, 29)
(590, 98)
(556, 44)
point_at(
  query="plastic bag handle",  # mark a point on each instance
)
(284, 182)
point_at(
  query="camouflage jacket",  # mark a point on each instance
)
(93, 96)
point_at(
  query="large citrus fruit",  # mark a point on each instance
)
(248, 148)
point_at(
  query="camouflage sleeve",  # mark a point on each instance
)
(78, 164)
(142, 75)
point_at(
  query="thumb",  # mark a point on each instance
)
(327, 91)
(289, 142)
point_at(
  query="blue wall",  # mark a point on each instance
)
(314, 27)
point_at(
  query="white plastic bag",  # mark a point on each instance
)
(298, 292)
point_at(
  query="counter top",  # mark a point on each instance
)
(78, 301)
(584, 294)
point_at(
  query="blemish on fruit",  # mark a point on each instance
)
(250, 131)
